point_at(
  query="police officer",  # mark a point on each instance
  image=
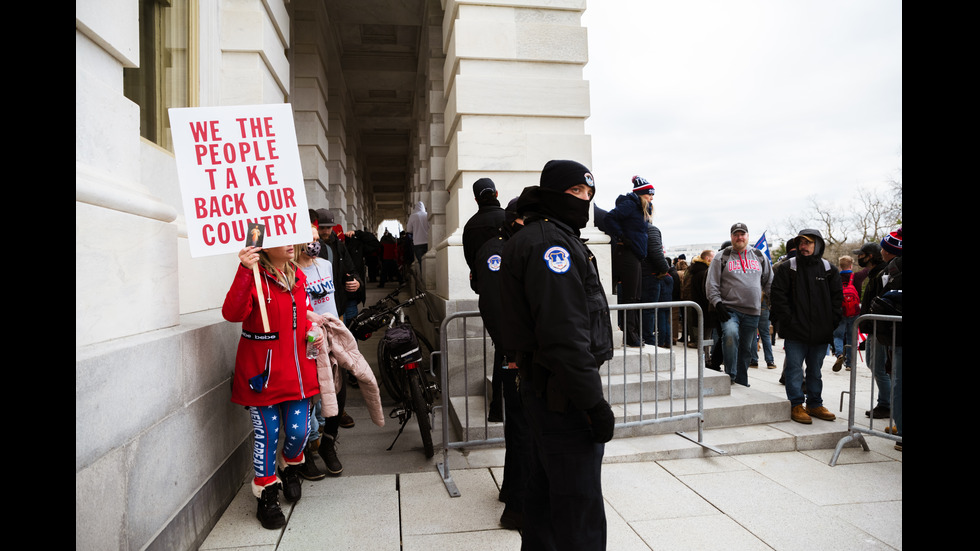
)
(557, 322)
(486, 282)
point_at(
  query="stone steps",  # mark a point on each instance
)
(737, 419)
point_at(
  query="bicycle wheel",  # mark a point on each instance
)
(421, 409)
(389, 374)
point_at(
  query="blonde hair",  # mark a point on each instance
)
(646, 206)
(286, 277)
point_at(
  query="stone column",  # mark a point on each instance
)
(515, 98)
(431, 176)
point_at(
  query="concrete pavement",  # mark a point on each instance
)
(391, 500)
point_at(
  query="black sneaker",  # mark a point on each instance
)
(328, 451)
(292, 488)
(269, 513)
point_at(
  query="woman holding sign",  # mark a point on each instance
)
(273, 377)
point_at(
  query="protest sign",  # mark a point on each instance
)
(239, 165)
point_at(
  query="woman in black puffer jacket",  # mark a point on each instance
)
(627, 226)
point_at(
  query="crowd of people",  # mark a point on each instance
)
(544, 306)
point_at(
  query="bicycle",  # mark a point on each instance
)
(401, 354)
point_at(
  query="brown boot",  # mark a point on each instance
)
(821, 413)
(800, 415)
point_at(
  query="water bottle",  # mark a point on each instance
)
(312, 350)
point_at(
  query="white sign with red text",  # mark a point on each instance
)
(239, 165)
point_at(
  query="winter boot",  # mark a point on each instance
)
(269, 513)
(289, 473)
(309, 470)
(328, 451)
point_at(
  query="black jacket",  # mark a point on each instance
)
(697, 276)
(555, 312)
(873, 288)
(479, 228)
(806, 296)
(877, 288)
(655, 262)
(343, 265)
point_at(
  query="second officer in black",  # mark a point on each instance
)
(557, 320)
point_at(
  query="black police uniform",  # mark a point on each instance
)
(486, 282)
(557, 321)
(479, 228)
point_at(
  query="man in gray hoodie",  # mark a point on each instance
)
(736, 280)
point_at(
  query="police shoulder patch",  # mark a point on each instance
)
(494, 263)
(558, 259)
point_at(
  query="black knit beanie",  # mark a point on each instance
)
(561, 175)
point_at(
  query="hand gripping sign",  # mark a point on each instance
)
(239, 166)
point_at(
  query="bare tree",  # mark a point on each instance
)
(830, 220)
(896, 199)
(867, 217)
(875, 217)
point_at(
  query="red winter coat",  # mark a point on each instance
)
(291, 375)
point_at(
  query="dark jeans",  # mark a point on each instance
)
(804, 360)
(737, 339)
(656, 321)
(766, 337)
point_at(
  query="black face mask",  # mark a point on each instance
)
(565, 207)
(862, 261)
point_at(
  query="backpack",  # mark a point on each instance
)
(403, 346)
(852, 301)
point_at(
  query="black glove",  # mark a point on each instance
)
(722, 312)
(603, 420)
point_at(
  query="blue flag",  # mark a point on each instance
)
(763, 245)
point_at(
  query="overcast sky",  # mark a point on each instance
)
(738, 110)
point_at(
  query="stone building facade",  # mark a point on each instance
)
(394, 102)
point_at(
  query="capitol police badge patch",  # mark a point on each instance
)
(558, 260)
(494, 263)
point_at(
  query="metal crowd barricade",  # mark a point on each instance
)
(689, 405)
(677, 392)
(448, 444)
(855, 431)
